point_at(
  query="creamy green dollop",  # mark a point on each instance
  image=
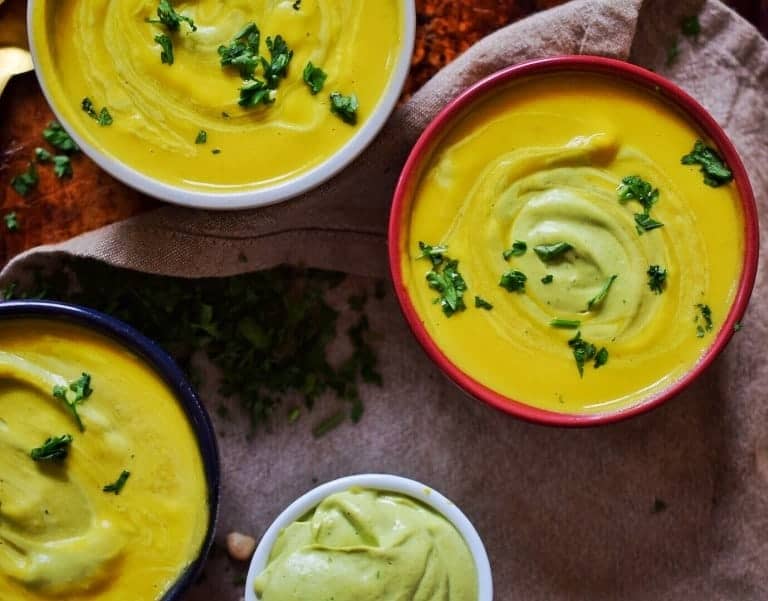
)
(363, 545)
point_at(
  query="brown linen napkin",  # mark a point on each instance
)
(565, 515)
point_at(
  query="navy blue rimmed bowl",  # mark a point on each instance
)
(167, 369)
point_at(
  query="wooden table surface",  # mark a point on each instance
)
(60, 209)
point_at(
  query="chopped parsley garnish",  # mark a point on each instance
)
(446, 279)
(53, 449)
(102, 117)
(636, 188)
(513, 281)
(600, 296)
(166, 45)
(345, 107)
(25, 181)
(280, 56)
(550, 252)
(74, 394)
(481, 303)
(690, 26)
(296, 4)
(58, 137)
(518, 249)
(255, 92)
(567, 324)
(117, 486)
(657, 278)
(548, 279)
(314, 77)
(243, 51)
(583, 351)
(11, 222)
(716, 171)
(202, 137)
(42, 155)
(703, 320)
(62, 166)
(645, 223)
(168, 16)
(601, 358)
(433, 253)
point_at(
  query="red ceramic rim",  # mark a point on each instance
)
(431, 137)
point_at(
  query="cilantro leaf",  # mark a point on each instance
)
(583, 351)
(102, 117)
(202, 137)
(74, 394)
(117, 486)
(277, 67)
(25, 181)
(62, 166)
(481, 303)
(601, 358)
(345, 107)
(550, 252)
(314, 77)
(42, 155)
(636, 188)
(716, 171)
(166, 52)
(600, 296)
(53, 449)
(645, 223)
(450, 284)
(58, 137)
(255, 92)
(243, 51)
(296, 4)
(548, 279)
(433, 253)
(657, 278)
(11, 222)
(168, 16)
(518, 249)
(513, 281)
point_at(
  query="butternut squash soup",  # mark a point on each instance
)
(102, 487)
(573, 243)
(218, 95)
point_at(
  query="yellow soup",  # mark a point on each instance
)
(61, 535)
(537, 170)
(106, 50)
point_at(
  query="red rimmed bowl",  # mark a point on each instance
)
(448, 126)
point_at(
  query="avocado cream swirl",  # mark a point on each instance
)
(367, 544)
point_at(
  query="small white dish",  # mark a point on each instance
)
(384, 482)
(252, 198)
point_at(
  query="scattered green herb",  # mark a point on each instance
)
(703, 320)
(26, 181)
(168, 16)
(243, 51)
(567, 324)
(202, 137)
(690, 26)
(74, 394)
(601, 358)
(634, 187)
(481, 303)
(53, 449)
(598, 299)
(277, 67)
(117, 486)
(657, 278)
(583, 351)
(433, 253)
(255, 92)
(513, 281)
(645, 223)
(446, 279)
(716, 171)
(296, 4)
(345, 107)
(548, 279)
(42, 155)
(11, 221)
(314, 77)
(62, 166)
(166, 45)
(518, 249)
(102, 117)
(58, 137)
(550, 252)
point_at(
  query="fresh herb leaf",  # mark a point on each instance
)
(102, 117)
(703, 320)
(645, 223)
(345, 107)
(296, 4)
(277, 67)
(518, 249)
(117, 486)
(11, 222)
(567, 324)
(255, 92)
(74, 394)
(657, 278)
(550, 252)
(166, 52)
(548, 279)
(314, 77)
(243, 51)
(513, 281)
(25, 181)
(168, 16)
(53, 449)
(433, 253)
(716, 171)
(583, 351)
(601, 358)
(481, 303)
(450, 284)
(202, 137)
(690, 26)
(600, 296)
(43, 156)
(58, 137)
(62, 166)
(636, 188)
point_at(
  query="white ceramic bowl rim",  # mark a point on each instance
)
(251, 198)
(384, 482)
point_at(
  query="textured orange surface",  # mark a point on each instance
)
(60, 209)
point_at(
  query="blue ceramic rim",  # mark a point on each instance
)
(169, 371)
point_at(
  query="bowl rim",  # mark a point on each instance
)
(626, 72)
(386, 483)
(248, 199)
(171, 374)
